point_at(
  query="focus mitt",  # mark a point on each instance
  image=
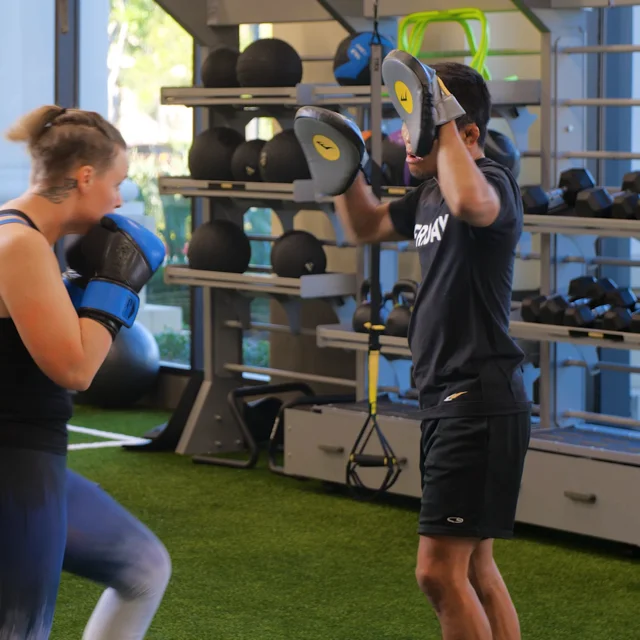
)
(333, 147)
(420, 98)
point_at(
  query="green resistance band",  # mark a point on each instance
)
(411, 30)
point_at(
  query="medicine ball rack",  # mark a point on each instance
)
(285, 200)
(576, 479)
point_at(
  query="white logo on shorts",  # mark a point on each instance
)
(453, 396)
(455, 520)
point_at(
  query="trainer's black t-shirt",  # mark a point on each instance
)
(463, 357)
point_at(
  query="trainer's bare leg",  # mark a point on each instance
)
(442, 572)
(493, 594)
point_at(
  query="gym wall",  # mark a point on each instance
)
(29, 81)
(28, 41)
(93, 83)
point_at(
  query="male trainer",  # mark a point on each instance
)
(466, 220)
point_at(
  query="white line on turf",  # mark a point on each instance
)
(109, 435)
(99, 445)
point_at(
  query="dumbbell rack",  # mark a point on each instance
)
(573, 477)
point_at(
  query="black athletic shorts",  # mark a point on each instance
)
(471, 471)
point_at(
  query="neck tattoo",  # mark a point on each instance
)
(58, 193)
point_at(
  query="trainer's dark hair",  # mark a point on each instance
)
(471, 91)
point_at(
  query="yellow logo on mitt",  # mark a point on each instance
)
(326, 147)
(404, 96)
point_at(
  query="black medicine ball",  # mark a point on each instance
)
(501, 149)
(282, 159)
(219, 245)
(219, 68)
(211, 152)
(245, 164)
(394, 156)
(298, 253)
(269, 62)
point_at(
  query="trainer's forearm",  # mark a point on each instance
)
(464, 188)
(356, 210)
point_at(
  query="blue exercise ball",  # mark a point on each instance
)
(351, 64)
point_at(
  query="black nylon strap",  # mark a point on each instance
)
(18, 214)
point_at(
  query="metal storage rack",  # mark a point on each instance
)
(574, 478)
(226, 306)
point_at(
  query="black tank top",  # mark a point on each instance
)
(34, 410)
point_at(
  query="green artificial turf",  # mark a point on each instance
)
(261, 557)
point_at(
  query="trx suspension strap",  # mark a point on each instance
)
(358, 458)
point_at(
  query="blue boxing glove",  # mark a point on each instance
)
(77, 278)
(124, 256)
(75, 284)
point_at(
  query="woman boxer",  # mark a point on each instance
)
(51, 518)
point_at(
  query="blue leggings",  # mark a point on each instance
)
(52, 519)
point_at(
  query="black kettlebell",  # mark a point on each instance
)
(362, 314)
(403, 294)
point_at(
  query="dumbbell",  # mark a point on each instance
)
(634, 325)
(626, 205)
(599, 203)
(610, 309)
(537, 201)
(531, 307)
(585, 293)
(624, 304)
(583, 314)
